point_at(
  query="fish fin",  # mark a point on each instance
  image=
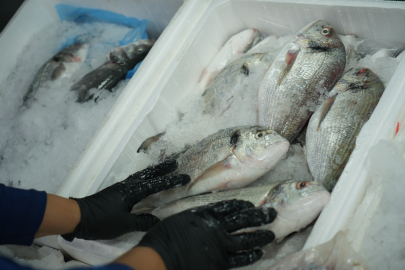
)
(289, 60)
(215, 169)
(149, 141)
(325, 108)
(58, 72)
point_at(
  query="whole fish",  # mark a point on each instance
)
(233, 80)
(237, 44)
(304, 69)
(333, 129)
(119, 62)
(297, 203)
(228, 159)
(60, 65)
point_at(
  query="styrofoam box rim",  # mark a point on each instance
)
(133, 106)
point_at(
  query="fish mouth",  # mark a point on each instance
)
(267, 158)
(306, 210)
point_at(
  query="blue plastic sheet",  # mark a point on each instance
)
(88, 15)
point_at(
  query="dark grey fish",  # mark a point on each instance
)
(120, 61)
(57, 67)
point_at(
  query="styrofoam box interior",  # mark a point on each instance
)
(188, 44)
(36, 15)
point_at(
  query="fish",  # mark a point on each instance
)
(297, 203)
(234, 80)
(333, 128)
(149, 141)
(228, 159)
(237, 44)
(119, 62)
(304, 69)
(60, 65)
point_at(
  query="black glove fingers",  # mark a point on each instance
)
(161, 183)
(161, 169)
(249, 241)
(244, 258)
(249, 218)
(221, 209)
(143, 222)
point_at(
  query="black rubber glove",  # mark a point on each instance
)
(200, 238)
(106, 214)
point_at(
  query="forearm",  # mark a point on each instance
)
(61, 216)
(142, 258)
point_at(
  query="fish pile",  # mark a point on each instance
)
(301, 92)
(119, 62)
(296, 84)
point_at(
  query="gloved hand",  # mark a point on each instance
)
(200, 238)
(106, 214)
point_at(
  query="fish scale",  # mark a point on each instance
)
(304, 69)
(332, 131)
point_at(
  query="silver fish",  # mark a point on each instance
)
(237, 44)
(333, 129)
(120, 61)
(56, 67)
(231, 83)
(228, 159)
(297, 203)
(307, 67)
(233, 80)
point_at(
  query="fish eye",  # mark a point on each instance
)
(302, 185)
(362, 72)
(325, 31)
(260, 134)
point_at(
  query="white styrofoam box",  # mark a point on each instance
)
(35, 15)
(185, 48)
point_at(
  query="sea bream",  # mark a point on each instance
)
(333, 129)
(119, 62)
(297, 203)
(234, 81)
(228, 159)
(238, 44)
(304, 69)
(60, 65)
